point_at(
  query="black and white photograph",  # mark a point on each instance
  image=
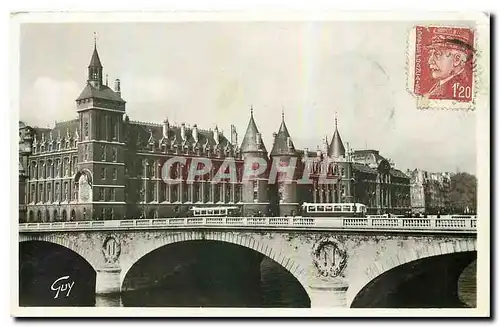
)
(222, 161)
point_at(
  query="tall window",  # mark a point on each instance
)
(112, 196)
(281, 191)
(114, 155)
(86, 153)
(86, 129)
(49, 195)
(114, 129)
(65, 191)
(103, 154)
(103, 173)
(115, 173)
(57, 191)
(255, 191)
(101, 194)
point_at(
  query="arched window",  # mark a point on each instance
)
(64, 215)
(84, 214)
(31, 216)
(39, 216)
(47, 215)
(55, 215)
(73, 215)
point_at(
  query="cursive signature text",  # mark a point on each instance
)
(62, 284)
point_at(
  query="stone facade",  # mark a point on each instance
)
(101, 165)
(429, 191)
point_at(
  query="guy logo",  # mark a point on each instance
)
(62, 284)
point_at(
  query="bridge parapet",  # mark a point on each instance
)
(447, 224)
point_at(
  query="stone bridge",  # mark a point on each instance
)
(339, 262)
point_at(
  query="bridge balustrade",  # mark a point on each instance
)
(357, 222)
(417, 222)
(279, 221)
(303, 221)
(387, 222)
(256, 221)
(450, 223)
(384, 223)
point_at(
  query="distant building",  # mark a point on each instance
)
(101, 165)
(429, 191)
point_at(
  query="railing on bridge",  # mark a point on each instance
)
(369, 223)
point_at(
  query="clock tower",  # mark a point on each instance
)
(100, 176)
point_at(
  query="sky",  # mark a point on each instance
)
(211, 73)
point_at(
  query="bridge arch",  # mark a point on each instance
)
(294, 268)
(379, 267)
(87, 255)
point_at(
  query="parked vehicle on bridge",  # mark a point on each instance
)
(223, 211)
(333, 209)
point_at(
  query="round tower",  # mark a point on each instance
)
(284, 161)
(255, 195)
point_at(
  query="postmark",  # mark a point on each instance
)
(441, 67)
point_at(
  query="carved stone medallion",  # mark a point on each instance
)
(111, 249)
(329, 258)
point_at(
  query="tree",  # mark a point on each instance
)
(463, 192)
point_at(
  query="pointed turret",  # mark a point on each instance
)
(336, 148)
(283, 145)
(95, 87)
(95, 68)
(252, 141)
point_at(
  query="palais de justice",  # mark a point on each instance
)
(102, 165)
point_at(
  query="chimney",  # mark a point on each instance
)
(117, 87)
(234, 136)
(166, 127)
(216, 134)
(183, 131)
(325, 145)
(195, 133)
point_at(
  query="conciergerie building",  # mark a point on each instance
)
(102, 165)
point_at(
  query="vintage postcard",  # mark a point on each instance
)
(201, 164)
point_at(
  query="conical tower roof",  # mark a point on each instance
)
(252, 141)
(336, 148)
(95, 61)
(283, 144)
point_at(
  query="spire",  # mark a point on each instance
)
(95, 68)
(336, 148)
(252, 141)
(95, 61)
(283, 144)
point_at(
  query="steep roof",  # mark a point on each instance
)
(65, 130)
(103, 92)
(336, 148)
(364, 168)
(141, 133)
(95, 61)
(251, 141)
(369, 157)
(283, 144)
(398, 173)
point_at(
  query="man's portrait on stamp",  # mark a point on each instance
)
(443, 69)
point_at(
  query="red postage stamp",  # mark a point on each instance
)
(442, 65)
